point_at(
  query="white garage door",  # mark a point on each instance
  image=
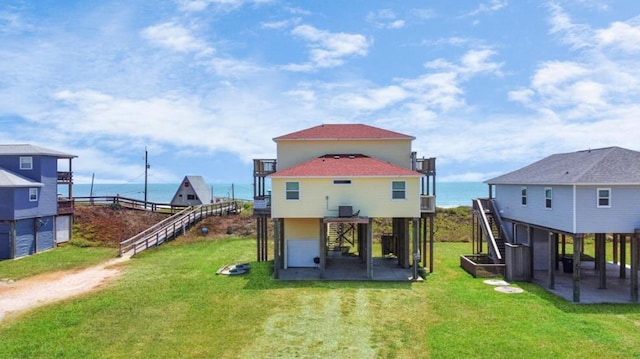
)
(62, 229)
(300, 252)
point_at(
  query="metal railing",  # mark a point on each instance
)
(484, 223)
(174, 226)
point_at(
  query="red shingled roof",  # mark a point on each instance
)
(346, 166)
(343, 131)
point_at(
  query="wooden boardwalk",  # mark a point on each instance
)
(174, 226)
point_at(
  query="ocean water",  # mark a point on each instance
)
(448, 194)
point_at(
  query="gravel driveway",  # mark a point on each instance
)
(28, 293)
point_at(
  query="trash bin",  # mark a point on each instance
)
(567, 264)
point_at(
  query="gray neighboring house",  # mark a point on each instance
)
(193, 191)
(537, 207)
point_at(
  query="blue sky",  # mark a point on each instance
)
(204, 85)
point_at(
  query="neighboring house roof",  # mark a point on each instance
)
(344, 131)
(200, 187)
(345, 166)
(31, 150)
(10, 179)
(611, 165)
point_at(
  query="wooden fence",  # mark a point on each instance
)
(174, 226)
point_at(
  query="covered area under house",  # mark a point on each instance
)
(557, 260)
(346, 251)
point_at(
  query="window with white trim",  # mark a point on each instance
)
(26, 163)
(33, 194)
(523, 195)
(292, 190)
(398, 190)
(604, 197)
(548, 197)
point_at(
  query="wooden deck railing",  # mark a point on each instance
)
(130, 203)
(65, 205)
(427, 203)
(174, 226)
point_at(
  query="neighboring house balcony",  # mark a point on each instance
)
(427, 203)
(65, 177)
(262, 205)
(261, 194)
(263, 167)
(426, 166)
(65, 205)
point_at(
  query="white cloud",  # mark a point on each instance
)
(553, 73)
(625, 36)
(328, 49)
(385, 19)
(423, 14)
(175, 37)
(490, 7)
(279, 24)
(477, 61)
(576, 35)
(12, 22)
(373, 99)
(219, 5)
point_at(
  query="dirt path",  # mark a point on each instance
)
(35, 291)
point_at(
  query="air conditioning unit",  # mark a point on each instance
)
(345, 211)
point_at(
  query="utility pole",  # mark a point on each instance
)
(146, 168)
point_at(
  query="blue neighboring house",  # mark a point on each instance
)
(33, 217)
(533, 210)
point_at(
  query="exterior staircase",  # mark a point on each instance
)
(491, 223)
(340, 235)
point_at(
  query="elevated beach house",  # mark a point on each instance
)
(534, 211)
(328, 184)
(33, 217)
(193, 191)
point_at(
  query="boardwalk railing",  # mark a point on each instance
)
(130, 203)
(174, 226)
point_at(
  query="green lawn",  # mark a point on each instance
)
(65, 257)
(170, 304)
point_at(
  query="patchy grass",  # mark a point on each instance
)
(60, 258)
(107, 226)
(170, 303)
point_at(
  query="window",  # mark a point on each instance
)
(191, 197)
(398, 190)
(548, 196)
(26, 163)
(33, 194)
(341, 181)
(604, 197)
(523, 195)
(292, 190)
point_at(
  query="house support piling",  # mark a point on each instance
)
(553, 248)
(577, 246)
(262, 238)
(634, 265)
(623, 255)
(601, 262)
